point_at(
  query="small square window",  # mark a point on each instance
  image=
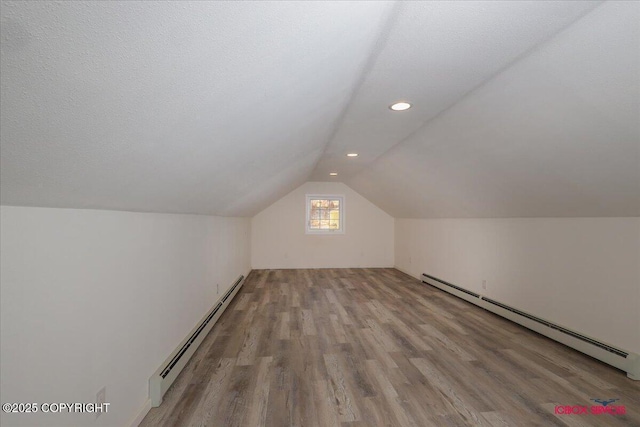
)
(325, 214)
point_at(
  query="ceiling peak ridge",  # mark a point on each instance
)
(376, 48)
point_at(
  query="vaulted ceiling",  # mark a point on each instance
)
(519, 109)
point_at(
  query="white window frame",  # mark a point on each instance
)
(307, 207)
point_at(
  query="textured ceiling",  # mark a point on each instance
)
(204, 107)
(557, 133)
(520, 108)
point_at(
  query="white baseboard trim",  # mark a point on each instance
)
(407, 273)
(141, 414)
(620, 358)
(167, 373)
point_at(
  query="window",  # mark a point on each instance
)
(325, 214)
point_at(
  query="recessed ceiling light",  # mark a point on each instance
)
(352, 155)
(333, 173)
(400, 106)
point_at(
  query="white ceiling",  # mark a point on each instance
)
(520, 108)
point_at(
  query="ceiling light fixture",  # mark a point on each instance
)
(333, 173)
(352, 155)
(400, 106)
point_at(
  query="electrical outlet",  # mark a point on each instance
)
(101, 398)
(217, 288)
(484, 285)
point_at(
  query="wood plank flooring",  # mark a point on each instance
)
(375, 347)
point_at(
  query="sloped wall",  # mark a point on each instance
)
(278, 238)
(100, 298)
(582, 273)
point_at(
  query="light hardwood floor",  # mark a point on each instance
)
(375, 347)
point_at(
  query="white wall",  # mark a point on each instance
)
(93, 298)
(278, 238)
(583, 273)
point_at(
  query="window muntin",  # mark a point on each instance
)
(325, 214)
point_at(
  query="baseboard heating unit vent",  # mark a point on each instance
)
(162, 379)
(619, 358)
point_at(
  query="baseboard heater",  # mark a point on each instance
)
(619, 358)
(162, 379)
